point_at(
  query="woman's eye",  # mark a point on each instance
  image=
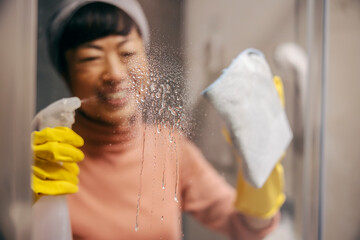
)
(128, 54)
(88, 59)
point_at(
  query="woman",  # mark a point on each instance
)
(136, 178)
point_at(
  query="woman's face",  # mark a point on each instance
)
(110, 75)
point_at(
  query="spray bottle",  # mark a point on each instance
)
(50, 213)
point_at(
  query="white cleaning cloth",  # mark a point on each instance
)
(246, 98)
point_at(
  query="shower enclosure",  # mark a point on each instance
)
(312, 45)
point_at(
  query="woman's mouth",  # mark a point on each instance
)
(115, 99)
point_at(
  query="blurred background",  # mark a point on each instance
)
(312, 45)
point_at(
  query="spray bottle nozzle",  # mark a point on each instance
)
(59, 113)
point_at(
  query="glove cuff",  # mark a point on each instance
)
(261, 202)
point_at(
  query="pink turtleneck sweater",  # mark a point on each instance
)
(123, 183)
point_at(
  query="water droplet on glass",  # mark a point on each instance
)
(176, 199)
(162, 218)
(172, 111)
(140, 184)
(136, 227)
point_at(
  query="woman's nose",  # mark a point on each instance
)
(114, 72)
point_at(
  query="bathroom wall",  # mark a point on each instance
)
(342, 135)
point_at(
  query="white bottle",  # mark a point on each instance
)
(50, 214)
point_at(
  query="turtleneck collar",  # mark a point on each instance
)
(113, 137)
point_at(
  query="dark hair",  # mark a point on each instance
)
(93, 21)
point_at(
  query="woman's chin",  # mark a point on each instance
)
(123, 117)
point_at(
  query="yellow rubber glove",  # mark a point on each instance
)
(262, 202)
(55, 166)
